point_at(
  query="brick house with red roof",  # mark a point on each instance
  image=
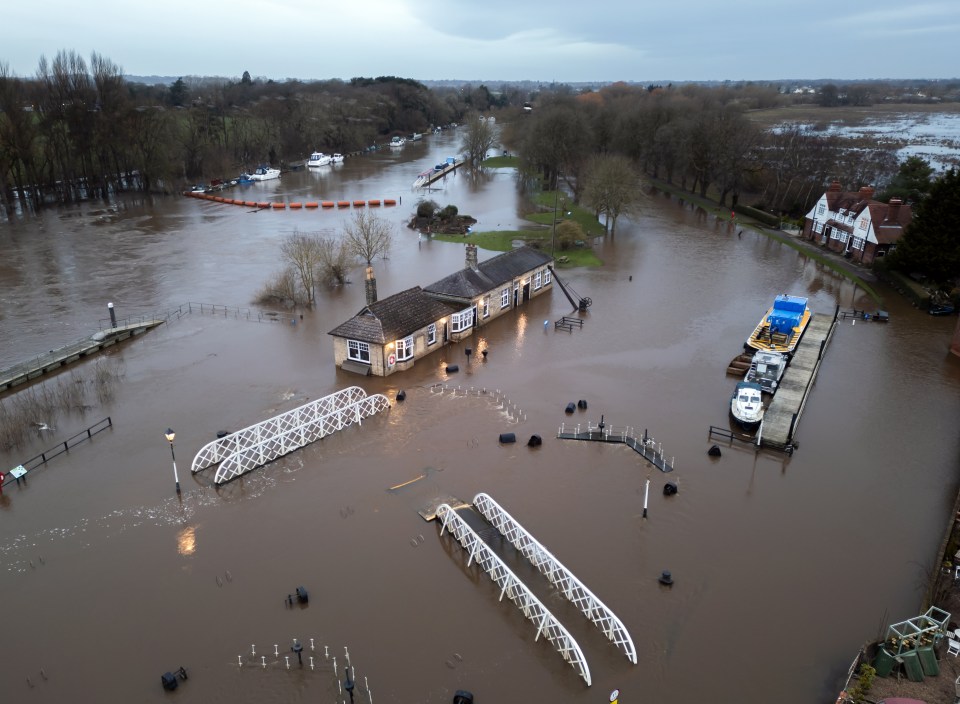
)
(856, 226)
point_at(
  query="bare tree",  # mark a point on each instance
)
(336, 257)
(368, 236)
(304, 253)
(612, 187)
(477, 140)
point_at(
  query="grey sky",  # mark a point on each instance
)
(555, 40)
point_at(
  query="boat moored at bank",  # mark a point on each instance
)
(318, 159)
(781, 327)
(766, 369)
(746, 405)
(265, 173)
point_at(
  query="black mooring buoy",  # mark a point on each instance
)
(401, 395)
(714, 451)
(169, 681)
(507, 438)
(222, 434)
(582, 404)
(302, 595)
(670, 488)
(666, 578)
(535, 441)
(570, 407)
(462, 696)
(452, 368)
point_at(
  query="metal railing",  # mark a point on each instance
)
(511, 586)
(263, 442)
(64, 446)
(573, 589)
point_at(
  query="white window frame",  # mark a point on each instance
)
(821, 208)
(486, 306)
(818, 227)
(461, 321)
(431, 334)
(356, 350)
(546, 277)
(857, 243)
(404, 349)
(505, 298)
(536, 281)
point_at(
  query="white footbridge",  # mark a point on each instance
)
(511, 586)
(559, 576)
(255, 446)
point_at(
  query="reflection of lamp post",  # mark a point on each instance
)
(170, 435)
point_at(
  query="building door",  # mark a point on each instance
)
(516, 294)
(526, 292)
(445, 338)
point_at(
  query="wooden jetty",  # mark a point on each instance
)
(781, 417)
(55, 359)
(645, 446)
(428, 177)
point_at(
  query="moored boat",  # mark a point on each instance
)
(336, 158)
(317, 159)
(780, 328)
(265, 173)
(766, 369)
(397, 142)
(746, 405)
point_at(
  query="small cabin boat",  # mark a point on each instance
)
(318, 159)
(746, 405)
(766, 369)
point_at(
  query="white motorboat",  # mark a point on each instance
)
(766, 369)
(265, 173)
(336, 158)
(397, 142)
(746, 406)
(318, 159)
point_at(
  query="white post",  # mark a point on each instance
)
(646, 496)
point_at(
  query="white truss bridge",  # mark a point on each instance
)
(255, 446)
(511, 586)
(550, 567)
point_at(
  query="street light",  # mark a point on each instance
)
(170, 435)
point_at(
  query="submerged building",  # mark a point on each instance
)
(390, 335)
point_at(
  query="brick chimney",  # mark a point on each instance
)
(893, 210)
(370, 286)
(835, 187)
(472, 256)
(866, 192)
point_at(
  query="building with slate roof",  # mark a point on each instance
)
(388, 336)
(855, 225)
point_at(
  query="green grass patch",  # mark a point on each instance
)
(501, 162)
(541, 237)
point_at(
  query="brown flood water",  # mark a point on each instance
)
(783, 566)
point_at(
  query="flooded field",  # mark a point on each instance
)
(783, 566)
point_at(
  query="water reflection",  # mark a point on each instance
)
(187, 540)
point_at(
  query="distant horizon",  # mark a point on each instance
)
(161, 79)
(556, 42)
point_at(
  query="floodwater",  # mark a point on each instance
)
(783, 566)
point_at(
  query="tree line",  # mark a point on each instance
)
(78, 129)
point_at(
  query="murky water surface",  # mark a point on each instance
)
(782, 566)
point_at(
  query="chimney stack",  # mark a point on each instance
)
(472, 256)
(370, 286)
(893, 210)
(866, 192)
(835, 187)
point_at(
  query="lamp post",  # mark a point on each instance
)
(170, 435)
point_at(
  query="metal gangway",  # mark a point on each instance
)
(531, 607)
(256, 445)
(550, 567)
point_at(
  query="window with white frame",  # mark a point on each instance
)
(536, 281)
(818, 227)
(505, 298)
(546, 276)
(863, 223)
(404, 349)
(821, 208)
(358, 351)
(461, 321)
(486, 306)
(857, 243)
(431, 333)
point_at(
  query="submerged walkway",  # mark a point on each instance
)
(646, 446)
(55, 359)
(781, 418)
(428, 177)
